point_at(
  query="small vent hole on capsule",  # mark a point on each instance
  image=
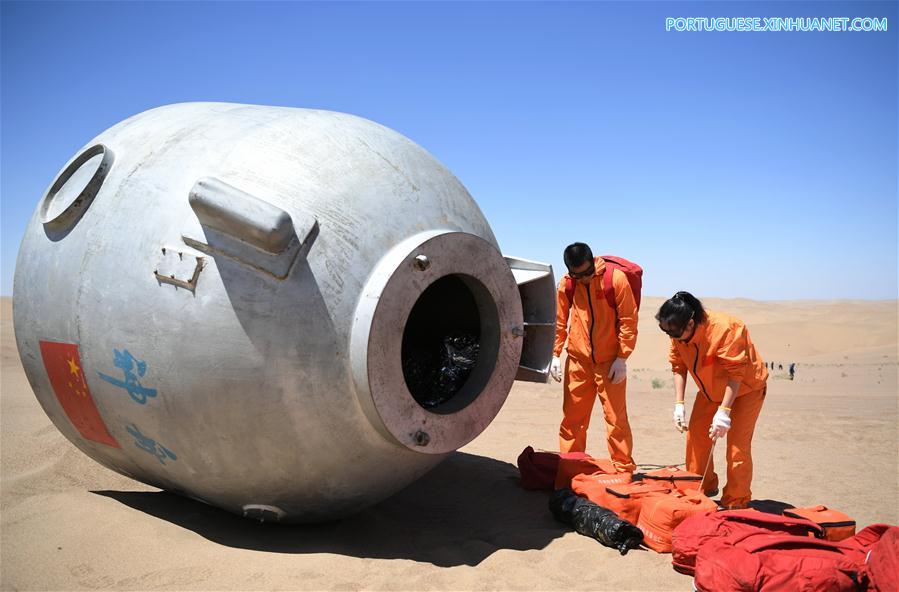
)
(263, 512)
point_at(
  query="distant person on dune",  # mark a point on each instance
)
(716, 350)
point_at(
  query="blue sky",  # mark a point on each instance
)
(759, 165)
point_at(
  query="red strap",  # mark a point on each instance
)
(765, 541)
(761, 518)
(870, 534)
(569, 290)
(607, 289)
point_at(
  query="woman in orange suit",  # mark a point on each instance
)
(716, 350)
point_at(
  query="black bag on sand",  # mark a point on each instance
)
(594, 521)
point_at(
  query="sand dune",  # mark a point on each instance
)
(830, 436)
(793, 331)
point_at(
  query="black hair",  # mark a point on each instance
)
(677, 311)
(576, 254)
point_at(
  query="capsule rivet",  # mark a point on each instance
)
(422, 262)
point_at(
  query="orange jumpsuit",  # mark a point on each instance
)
(719, 351)
(595, 338)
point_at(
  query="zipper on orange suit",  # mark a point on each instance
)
(592, 323)
(696, 373)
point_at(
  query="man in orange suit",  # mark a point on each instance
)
(600, 338)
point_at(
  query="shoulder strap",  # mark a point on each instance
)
(569, 290)
(869, 535)
(760, 519)
(764, 542)
(607, 288)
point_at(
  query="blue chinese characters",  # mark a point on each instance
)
(126, 362)
(150, 445)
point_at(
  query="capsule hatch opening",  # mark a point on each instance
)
(450, 344)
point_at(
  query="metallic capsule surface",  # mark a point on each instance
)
(225, 301)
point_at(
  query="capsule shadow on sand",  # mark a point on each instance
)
(458, 514)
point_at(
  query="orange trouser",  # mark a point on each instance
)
(743, 416)
(583, 382)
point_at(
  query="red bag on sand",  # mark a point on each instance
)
(774, 563)
(572, 464)
(538, 469)
(837, 525)
(661, 513)
(594, 486)
(882, 562)
(627, 499)
(696, 531)
(679, 479)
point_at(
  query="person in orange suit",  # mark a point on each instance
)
(600, 339)
(717, 352)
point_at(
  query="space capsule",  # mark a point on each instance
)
(290, 314)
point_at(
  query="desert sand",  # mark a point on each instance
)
(829, 437)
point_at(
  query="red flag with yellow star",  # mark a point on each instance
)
(63, 366)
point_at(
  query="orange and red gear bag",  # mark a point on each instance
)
(675, 477)
(572, 464)
(627, 500)
(594, 486)
(661, 513)
(696, 531)
(837, 525)
(764, 562)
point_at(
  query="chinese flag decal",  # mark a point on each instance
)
(66, 374)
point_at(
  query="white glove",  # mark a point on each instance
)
(555, 369)
(680, 417)
(720, 424)
(618, 371)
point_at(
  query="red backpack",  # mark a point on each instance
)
(765, 562)
(538, 469)
(632, 271)
(696, 531)
(882, 563)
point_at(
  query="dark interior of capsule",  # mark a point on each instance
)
(442, 344)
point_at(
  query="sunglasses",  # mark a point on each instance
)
(586, 273)
(672, 333)
(676, 333)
